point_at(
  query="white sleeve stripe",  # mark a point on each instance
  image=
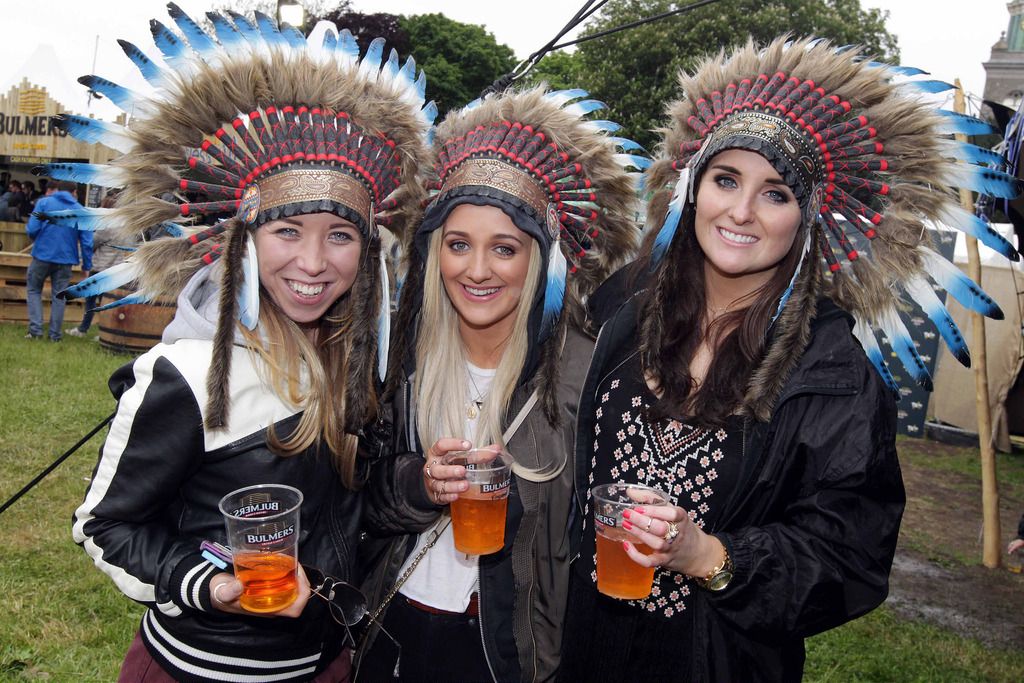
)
(113, 448)
(191, 596)
(157, 636)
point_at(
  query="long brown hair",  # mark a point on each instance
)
(672, 328)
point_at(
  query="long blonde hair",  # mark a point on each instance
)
(439, 385)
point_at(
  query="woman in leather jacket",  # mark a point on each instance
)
(494, 353)
(727, 377)
(269, 371)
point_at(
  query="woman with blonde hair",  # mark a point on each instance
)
(532, 210)
(270, 370)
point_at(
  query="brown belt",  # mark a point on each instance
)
(471, 611)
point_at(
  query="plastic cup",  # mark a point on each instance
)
(263, 530)
(478, 516)
(617, 575)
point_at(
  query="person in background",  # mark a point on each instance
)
(733, 371)
(14, 203)
(106, 252)
(492, 349)
(56, 247)
(1017, 544)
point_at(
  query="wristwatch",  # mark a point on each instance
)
(719, 577)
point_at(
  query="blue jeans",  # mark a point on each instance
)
(91, 302)
(60, 277)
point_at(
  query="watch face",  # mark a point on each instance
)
(720, 580)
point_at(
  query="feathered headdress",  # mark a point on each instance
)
(561, 177)
(257, 124)
(861, 152)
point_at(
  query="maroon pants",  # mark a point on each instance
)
(140, 667)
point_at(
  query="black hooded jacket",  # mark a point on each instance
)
(812, 525)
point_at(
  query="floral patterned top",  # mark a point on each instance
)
(697, 467)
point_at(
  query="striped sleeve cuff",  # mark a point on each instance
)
(190, 583)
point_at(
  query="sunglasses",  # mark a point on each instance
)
(346, 604)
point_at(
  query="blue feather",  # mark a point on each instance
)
(149, 70)
(383, 320)
(927, 86)
(907, 70)
(984, 180)
(606, 126)
(172, 229)
(675, 212)
(86, 218)
(972, 153)
(430, 112)
(862, 331)
(634, 160)
(903, 344)
(391, 68)
(371, 62)
(347, 44)
(195, 36)
(792, 280)
(421, 85)
(87, 174)
(554, 290)
(104, 281)
(293, 36)
(920, 290)
(226, 32)
(136, 298)
(408, 71)
(330, 42)
(584, 107)
(249, 292)
(560, 97)
(961, 123)
(268, 29)
(169, 45)
(626, 144)
(95, 131)
(121, 96)
(955, 216)
(960, 287)
(246, 28)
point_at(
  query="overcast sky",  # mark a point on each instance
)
(55, 45)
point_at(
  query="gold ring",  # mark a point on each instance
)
(648, 527)
(427, 471)
(672, 532)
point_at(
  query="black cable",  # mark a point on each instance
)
(638, 22)
(67, 454)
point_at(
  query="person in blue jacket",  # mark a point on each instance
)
(55, 249)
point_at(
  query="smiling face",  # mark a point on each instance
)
(484, 263)
(746, 219)
(307, 263)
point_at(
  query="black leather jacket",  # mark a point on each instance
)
(812, 525)
(153, 499)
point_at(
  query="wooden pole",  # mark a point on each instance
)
(991, 536)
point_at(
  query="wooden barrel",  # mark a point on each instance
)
(133, 328)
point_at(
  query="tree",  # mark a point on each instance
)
(560, 70)
(366, 27)
(635, 70)
(460, 60)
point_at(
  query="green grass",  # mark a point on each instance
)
(884, 647)
(62, 620)
(1009, 466)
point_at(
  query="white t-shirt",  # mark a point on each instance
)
(446, 578)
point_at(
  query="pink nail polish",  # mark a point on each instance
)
(625, 514)
(626, 525)
(641, 511)
(625, 546)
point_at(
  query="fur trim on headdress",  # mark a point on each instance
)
(535, 150)
(261, 124)
(873, 159)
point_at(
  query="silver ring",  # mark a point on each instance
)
(444, 486)
(437, 498)
(427, 471)
(214, 593)
(648, 527)
(672, 532)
